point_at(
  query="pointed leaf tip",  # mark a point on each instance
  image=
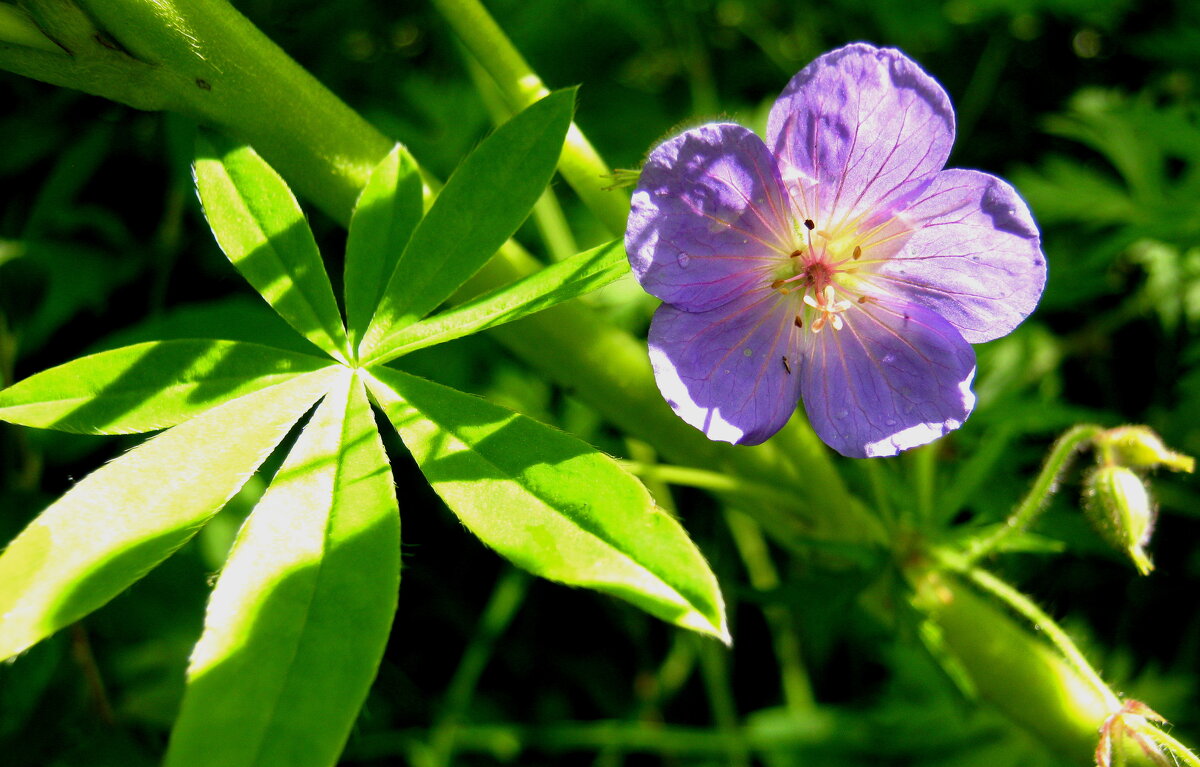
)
(482, 205)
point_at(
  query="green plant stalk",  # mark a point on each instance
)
(752, 547)
(581, 164)
(1021, 674)
(714, 669)
(1044, 485)
(507, 598)
(547, 214)
(1173, 746)
(202, 58)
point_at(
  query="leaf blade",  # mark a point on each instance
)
(122, 519)
(297, 624)
(549, 502)
(119, 391)
(573, 277)
(262, 230)
(384, 218)
(481, 206)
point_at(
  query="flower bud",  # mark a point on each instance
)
(1140, 448)
(1120, 508)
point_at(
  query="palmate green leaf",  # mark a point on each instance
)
(482, 204)
(298, 621)
(387, 211)
(549, 502)
(263, 232)
(127, 516)
(148, 386)
(568, 279)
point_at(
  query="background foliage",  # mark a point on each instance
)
(1089, 107)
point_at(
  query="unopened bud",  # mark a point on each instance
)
(1140, 448)
(1120, 508)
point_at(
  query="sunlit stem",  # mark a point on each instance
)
(717, 482)
(1009, 664)
(1025, 607)
(1061, 455)
(581, 165)
(547, 213)
(1171, 744)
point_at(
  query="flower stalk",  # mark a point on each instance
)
(1031, 506)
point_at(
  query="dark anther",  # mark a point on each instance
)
(809, 223)
(786, 366)
(797, 253)
(798, 322)
(857, 252)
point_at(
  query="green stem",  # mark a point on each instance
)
(716, 482)
(923, 461)
(715, 671)
(1042, 622)
(547, 213)
(1035, 501)
(752, 547)
(581, 165)
(1022, 675)
(207, 61)
(1173, 746)
(506, 599)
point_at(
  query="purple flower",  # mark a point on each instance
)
(837, 263)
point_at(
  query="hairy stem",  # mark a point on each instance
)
(1035, 500)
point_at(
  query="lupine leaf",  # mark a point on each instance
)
(148, 386)
(298, 621)
(549, 502)
(387, 211)
(127, 516)
(263, 232)
(482, 204)
(568, 279)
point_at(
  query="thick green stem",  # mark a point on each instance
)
(211, 63)
(1020, 673)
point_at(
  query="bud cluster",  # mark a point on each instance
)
(1116, 496)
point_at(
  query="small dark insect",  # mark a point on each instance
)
(798, 322)
(786, 366)
(809, 223)
(203, 84)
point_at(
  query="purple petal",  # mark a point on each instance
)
(859, 123)
(895, 377)
(975, 257)
(709, 217)
(723, 371)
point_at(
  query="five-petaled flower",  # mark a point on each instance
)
(837, 263)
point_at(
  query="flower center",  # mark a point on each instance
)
(821, 273)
